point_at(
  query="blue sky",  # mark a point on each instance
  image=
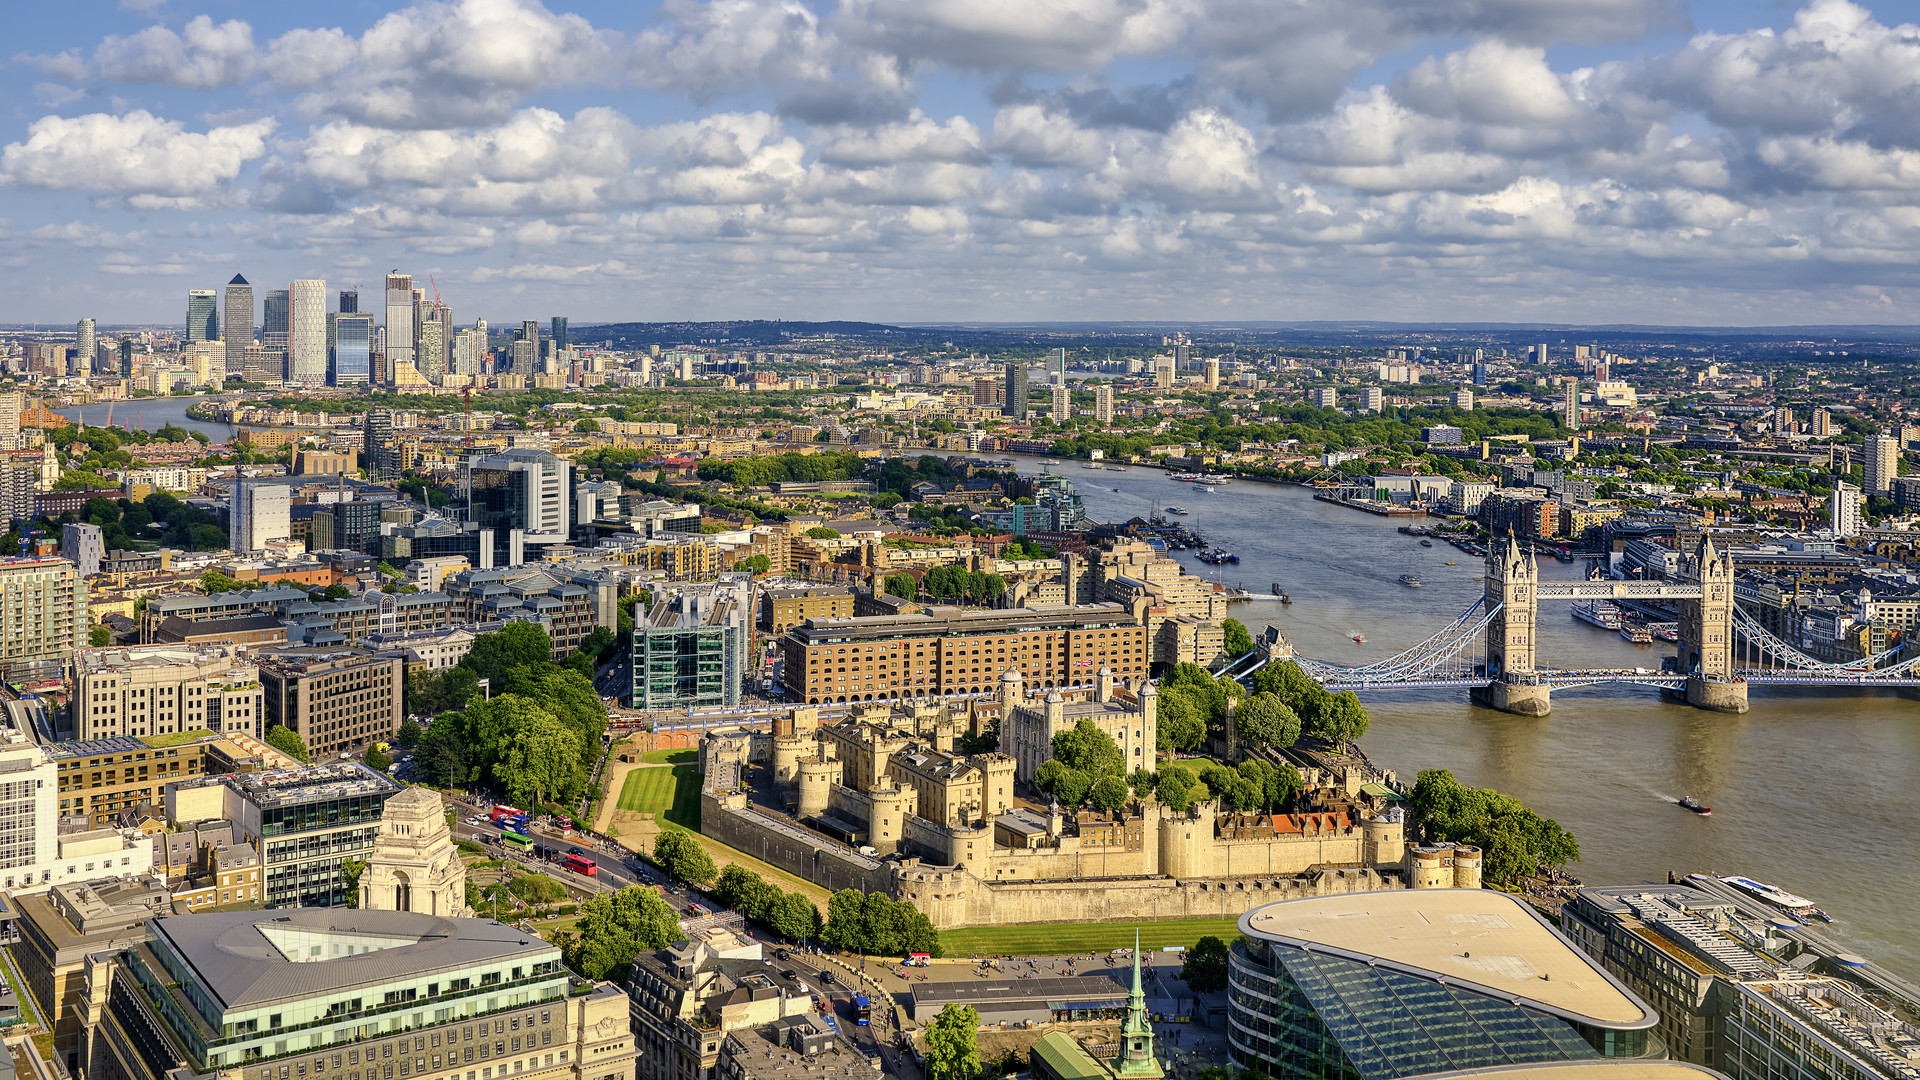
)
(920, 160)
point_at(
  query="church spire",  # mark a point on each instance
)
(1136, 1032)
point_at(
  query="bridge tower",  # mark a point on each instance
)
(1512, 580)
(1706, 634)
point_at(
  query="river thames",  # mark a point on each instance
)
(1813, 791)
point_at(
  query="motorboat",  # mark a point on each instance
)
(1172, 509)
(1688, 802)
(1409, 581)
(1359, 639)
(1424, 542)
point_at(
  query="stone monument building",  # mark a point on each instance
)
(414, 866)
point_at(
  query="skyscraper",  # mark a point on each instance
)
(203, 315)
(126, 358)
(237, 328)
(1843, 510)
(1570, 405)
(430, 357)
(399, 318)
(1103, 404)
(560, 340)
(1883, 463)
(379, 452)
(307, 333)
(1015, 404)
(1213, 373)
(352, 361)
(83, 345)
(1062, 410)
(1057, 364)
(276, 320)
(349, 301)
(522, 496)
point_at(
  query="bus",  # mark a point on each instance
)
(862, 1010)
(517, 841)
(580, 864)
(502, 810)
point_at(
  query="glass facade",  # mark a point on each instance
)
(352, 361)
(1305, 1014)
(687, 666)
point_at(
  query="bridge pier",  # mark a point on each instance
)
(1718, 695)
(1521, 699)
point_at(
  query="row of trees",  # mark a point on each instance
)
(877, 925)
(788, 914)
(1513, 840)
(1322, 713)
(953, 582)
(761, 471)
(1252, 785)
(616, 927)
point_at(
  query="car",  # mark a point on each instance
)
(696, 909)
(826, 976)
(782, 954)
(790, 975)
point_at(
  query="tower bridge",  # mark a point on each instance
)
(1492, 648)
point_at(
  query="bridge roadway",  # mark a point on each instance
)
(1608, 589)
(1563, 680)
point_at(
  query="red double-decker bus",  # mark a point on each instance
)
(580, 864)
(502, 810)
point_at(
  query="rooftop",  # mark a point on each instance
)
(1600, 1069)
(250, 958)
(310, 783)
(1475, 938)
(951, 621)
(1081, 989)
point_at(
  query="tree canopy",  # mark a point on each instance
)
(288, 741)
(1513, 840)
(615, 927)
(877, 925)
(953, 1044)
(682, 855)
(1204, 967)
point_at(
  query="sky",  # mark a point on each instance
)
(1556, 161)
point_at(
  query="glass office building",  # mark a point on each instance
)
(1415, 982)
(352, 361)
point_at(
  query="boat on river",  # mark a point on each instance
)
(1409, 581)
(1639, 635)
(1601, 613)
(1426, 543)
(1170, 509)
(1688, 802)
(1359, 639)
(1797, 906)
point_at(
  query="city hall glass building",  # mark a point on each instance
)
(1416, 982)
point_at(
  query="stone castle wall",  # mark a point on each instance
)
(726, 818)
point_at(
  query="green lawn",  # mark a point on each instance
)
(670, 757)
(670, 794)
(1054, 939)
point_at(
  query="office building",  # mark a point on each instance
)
(60, 928)
(932, 654)
(1103, 404)
(1843, 510)
(235, 995)
(125, 348)
(522, 358)
(305, 821)
(102, 779)
(346, 526)
(37, 848)
(692, 650)
(237, 326)
(352, 362)
(276, 319)
(399, 326)
(203, 315)
(1015, 402)
(258, 512)
(164, 689)
(430, 349)
(569, 605)
(307, 333)
(688, 997)
(1211, 378)
(1370, 400)
(349, 301)
(85, 545)
(559, 330)
(1417, 982)
(84, 341)
(43, 605)
(783, 609)
(1883, 463)
(335, 697)
(522, 497)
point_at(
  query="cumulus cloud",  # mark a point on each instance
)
(134, 154)
(201, 55)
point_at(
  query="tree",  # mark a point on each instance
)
(586, 427)
(1069, 787)
(288, 741)
(336, 592)
(1179, 788)
(953, 1048)
(1514, 841)
(1088, 749)
(434, 692)
(1204, 968)
(1265, 718)
(537, 888)
(614, 927)
(821, 532)
(1238, 641)
(902, 586)
(542, 760)
(409, 734)
(1182, 719)
(98, 636)
(682, 855)
(756, 564)
(1109, 794)
(793, 917)
(518, 644)
(1335, 717)
(377, 760)
(350, 871)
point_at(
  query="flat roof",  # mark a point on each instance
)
(1595, 1069)
(951, 622)
(1476, 938)
(1081, 988)
(239, 964)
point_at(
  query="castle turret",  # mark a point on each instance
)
(1466, 867)
(1430, 866)
(889, 817)
(1186, 842)
(1386, 839)
(817, 776)
(1056, 707)
(1012, 691)
(1103, 684)
(1055, 824)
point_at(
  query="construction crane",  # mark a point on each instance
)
(467, 406)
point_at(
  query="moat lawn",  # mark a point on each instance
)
(1058, 939)
(671, 793)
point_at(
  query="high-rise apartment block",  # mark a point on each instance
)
(307, 333)
(352, 361)
(1103, 404)
(164, 689)
(1570, 404)
(84, 340)
(378, 449)
(1820, 425)
(399, 325)
(1325, 397)
(1883, 463)
(1015, 403)
(349, 301)
(237, 326)
(1463, 399)
(276, 319)
(561, 342)
(1371, 400)
(85, 545)
(258, 513)
(1843, 510)
(43, 606)
(1211, 379)
(1062, 409)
